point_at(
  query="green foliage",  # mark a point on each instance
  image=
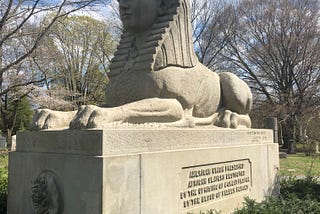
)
(82, 48)
(280, 205)
(3, 184)
(297, 196)
(16, 115)
(24, 115)
(3, 192)
(308, 188)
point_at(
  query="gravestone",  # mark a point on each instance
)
(173, 137)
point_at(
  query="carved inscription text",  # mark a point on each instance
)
(207, 183)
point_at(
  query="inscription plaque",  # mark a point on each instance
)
(257, 136)
(207, 183)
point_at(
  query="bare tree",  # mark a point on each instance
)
(277, 50)
(20, 36)
(115, 18)
(213, 26)
(15, 16)
(80, 48)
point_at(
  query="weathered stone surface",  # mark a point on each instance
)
(155, 76)
(144, 171)
(44, 189)
(13, 143)
(79, 178)
(119, 141)
(49, 119)
(236, 93)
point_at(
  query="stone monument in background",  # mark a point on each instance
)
(173, 137)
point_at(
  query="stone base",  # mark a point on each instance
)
(139, 171)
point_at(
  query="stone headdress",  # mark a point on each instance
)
(168, 43)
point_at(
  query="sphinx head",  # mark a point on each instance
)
(138, 15)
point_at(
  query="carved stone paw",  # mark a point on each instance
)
(49, 119)
(81, 120)
(91, 116)
(39, 119)
(99, 118)
(229, 119)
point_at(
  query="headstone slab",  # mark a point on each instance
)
(141, 171)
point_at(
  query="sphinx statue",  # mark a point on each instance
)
(156, 78)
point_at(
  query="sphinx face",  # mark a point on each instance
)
(138, 15)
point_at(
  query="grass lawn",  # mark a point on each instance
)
(300, 164)
(3, 161)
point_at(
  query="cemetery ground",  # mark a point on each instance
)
(300, 187)
(3, 180)
(300, 165)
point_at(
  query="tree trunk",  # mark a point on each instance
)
(292, 147)
(9, 138)
(289, 136)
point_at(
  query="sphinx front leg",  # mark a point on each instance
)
(39, 119)
(80, 120)
(153, 110)
(51, 120)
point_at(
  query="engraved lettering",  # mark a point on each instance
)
(211, 182)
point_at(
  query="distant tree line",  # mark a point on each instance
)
(274, 45)
(25, 28)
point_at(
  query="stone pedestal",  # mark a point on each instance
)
(141, 171)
